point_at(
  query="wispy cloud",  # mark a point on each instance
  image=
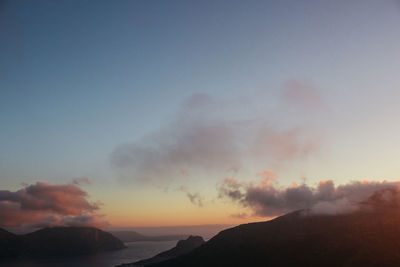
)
(213, 135)
(302, 95)
(190, 141)
(194, 197)
(241, 215)
(81, 181)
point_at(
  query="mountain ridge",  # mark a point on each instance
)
(301, 238)
(57, 242)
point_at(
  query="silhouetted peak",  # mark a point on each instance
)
(191, 241)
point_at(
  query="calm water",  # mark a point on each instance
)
(135, 251)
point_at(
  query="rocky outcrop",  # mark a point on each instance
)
(182, 247)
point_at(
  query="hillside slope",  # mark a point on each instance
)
(302, 239)
(182, 247)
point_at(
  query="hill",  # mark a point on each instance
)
(9, 244)
(365, 238)
(57, 242)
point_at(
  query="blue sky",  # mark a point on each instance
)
(80, 78)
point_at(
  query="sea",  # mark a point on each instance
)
(135, 251)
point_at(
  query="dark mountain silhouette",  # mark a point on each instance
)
(57, 242)
(9, 244)
(370, 237)
(132, 236)
(181, 248)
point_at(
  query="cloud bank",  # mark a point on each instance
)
(267, 199)
(218, 135)
(45, 204)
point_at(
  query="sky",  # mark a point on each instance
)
(163, 113)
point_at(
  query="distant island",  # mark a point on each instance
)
(132, 236)
(57, 242)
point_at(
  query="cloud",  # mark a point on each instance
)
(267, 199)
(189, 145)
(81, 181)
(66, 199)
(302, 95)
(232, 189)
(241, 215)
(47, 204)
(81, 220)
(210, 135)
(191, 140)
(285, 145)
(195, 198)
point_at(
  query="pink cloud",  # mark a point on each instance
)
(301, 95)
(45, 203)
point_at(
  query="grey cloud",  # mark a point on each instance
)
(266, 199)
(205, 136)
(195, 198)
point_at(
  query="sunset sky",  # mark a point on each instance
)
(155, 113)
